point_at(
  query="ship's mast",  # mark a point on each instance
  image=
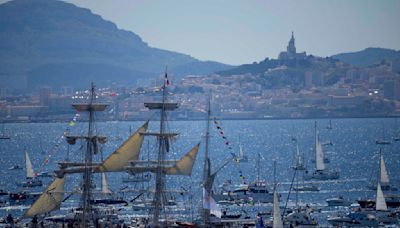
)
(160, 177)
(163, 146)
(91, 148)
(207, 179)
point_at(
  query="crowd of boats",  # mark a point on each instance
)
(146, 200)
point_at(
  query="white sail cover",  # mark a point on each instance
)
(380, 199)
(50, 199)
(29, 169)
(384, 175)
(277, 219)
(185, 165)
(319, 154)
(128, 151)
(210, 204)
(104, 184)
(241, 154)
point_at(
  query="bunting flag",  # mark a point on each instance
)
(59, 140)
(221, 133)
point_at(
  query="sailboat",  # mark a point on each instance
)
(105, 196)
(3, 134)
(383, 140)
(329, 127)
(383, 176)
(366, 217)
(241, 157)
(391, 200)
(300, 166)
(396, 136)
(31, 180)
(320, 173)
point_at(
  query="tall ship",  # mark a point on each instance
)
(124, 159)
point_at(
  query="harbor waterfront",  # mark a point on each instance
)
(353, 151)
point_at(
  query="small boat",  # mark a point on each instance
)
(3, 135)
(23, 198)
(382, 142)
(392, 201)
(307, 188)
(299, 160)
(3, 193)
(338, 201)
(256, 192)
(355, 219)
(15, 167)
(329, 127)
(241, 157)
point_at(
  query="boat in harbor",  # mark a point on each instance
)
(337, 201)
(31, 178)
(255, 191)
(300, 168)
(383, 176)
(368, 217)
(320, 172)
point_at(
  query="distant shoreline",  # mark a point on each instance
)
(200, 119)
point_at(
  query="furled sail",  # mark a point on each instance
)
(185, 165)
(384, 175)
(277, 219)
(128, 151)
(29, 169)
(49, 200)
(319, 159)
(104, 184)
(380, 199)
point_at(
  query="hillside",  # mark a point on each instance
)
(368, 56)
(53, 43)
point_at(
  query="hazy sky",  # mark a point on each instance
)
(243, 31)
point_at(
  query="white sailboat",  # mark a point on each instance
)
(300, 166)
(31, 180)
(241, 157)
(383, 177)
(321, 172)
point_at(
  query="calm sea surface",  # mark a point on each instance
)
(353, 152)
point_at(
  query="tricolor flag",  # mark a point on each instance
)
(209, 203)
(166, 81)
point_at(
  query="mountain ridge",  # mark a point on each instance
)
(40, 39)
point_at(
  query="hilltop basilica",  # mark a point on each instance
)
(290, 52)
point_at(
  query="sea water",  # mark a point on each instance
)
(354, 153)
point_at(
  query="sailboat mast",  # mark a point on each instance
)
(206, 168)
(87, 176)
(160, 177)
